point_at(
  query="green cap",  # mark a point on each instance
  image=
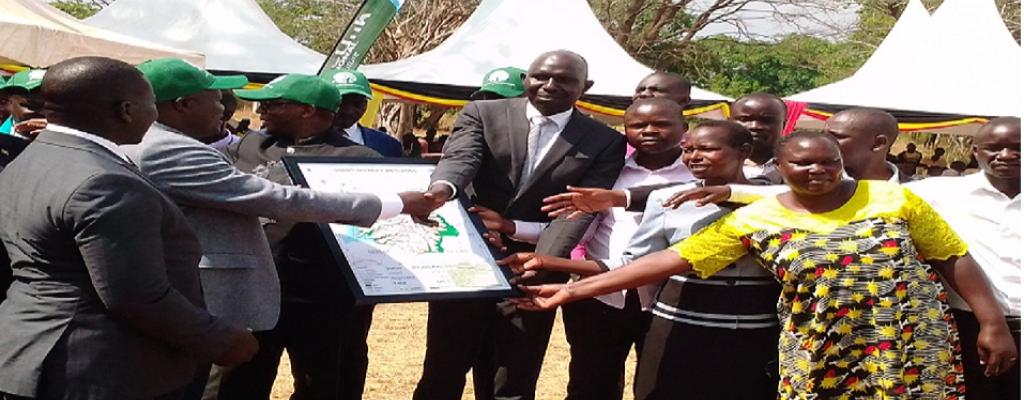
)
(349, 81)
(506, 82)
(28, 80)
(174, 78)
(300, 88)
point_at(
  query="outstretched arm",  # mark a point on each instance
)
(996, 347)
(651, 268)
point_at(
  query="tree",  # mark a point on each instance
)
(80, 9)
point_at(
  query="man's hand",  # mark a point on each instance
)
(419, 205)
(494, 221)
(578, 202)
(494, 238)
(243, 347)
(701, 196)
(996, 349)
(30, 128)
(543, 297)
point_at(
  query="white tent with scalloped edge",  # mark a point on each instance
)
(36, 34)
(235, 35)
(945, 68)
(499, 33)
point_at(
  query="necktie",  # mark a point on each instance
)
(534, 144)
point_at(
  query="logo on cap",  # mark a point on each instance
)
(344, 78)
(36, 74)
(498, 76)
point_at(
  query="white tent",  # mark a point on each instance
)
(38, 35)
(960, 62)
(500, 34)
(235, 35)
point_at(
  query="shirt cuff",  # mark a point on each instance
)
(629, 197)
(528, 232)
(746, 194)
(390, 206)
(455, 192)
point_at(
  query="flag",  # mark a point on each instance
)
(367, 24)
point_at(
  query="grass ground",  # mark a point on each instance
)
(397, 343)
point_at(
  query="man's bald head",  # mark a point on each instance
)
(870, 120)
(556, 80)
(865, 136)
(997, 148)
(99, 95)
(664, 84)
(764, 115)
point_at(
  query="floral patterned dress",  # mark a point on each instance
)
(862, 316)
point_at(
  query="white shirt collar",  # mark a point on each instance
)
(107, 144)
(561, 119)
(632, 164)
(979, 183)
(355, 134)
(895, 178)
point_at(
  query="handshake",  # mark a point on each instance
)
(419, 205)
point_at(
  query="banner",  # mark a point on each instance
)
(367, 24)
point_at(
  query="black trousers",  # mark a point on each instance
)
(600, 337)
(980, 387)
(326, 345)
(460, 333)
(682, 361)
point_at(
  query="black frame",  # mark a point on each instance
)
(291, 164)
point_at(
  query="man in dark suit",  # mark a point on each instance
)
(508, 155)
(355, 95)
(106, 302)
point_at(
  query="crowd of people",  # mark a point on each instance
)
(155, 254)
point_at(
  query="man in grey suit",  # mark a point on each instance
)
(224, 204)
(106, 302)
(508, 155)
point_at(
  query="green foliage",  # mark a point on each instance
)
(794, 64)
(314, 23)
(80, 9)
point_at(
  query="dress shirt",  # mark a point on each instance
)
(107, 144)
(355, 134)
(227, 141)
(609, 235)
(989, 222)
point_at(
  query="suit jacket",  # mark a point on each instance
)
(223, 205)
(106, 302)
(488, 149)
(308, 272)
(381, 142)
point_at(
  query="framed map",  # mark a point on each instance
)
(397, 259)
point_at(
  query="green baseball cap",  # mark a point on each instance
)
(506, 82)
(300, 88)
(27, 80)
(174, 78)
(349, 81)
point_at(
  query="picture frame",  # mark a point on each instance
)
(387, 262)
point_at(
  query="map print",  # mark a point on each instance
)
(399, 256)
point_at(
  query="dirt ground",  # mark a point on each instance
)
(397, 343)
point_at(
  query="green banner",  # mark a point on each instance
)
(367, 24)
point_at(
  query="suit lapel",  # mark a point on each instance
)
(565, 142)
(518, 130)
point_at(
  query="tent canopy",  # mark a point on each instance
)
(500, 34)
(235, 35)
(940, 70)
(38, 35)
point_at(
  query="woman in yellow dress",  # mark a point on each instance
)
(862, 309)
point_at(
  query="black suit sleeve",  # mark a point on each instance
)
(638, 195)
(562, 235)
(120, 241)
(464, 150)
